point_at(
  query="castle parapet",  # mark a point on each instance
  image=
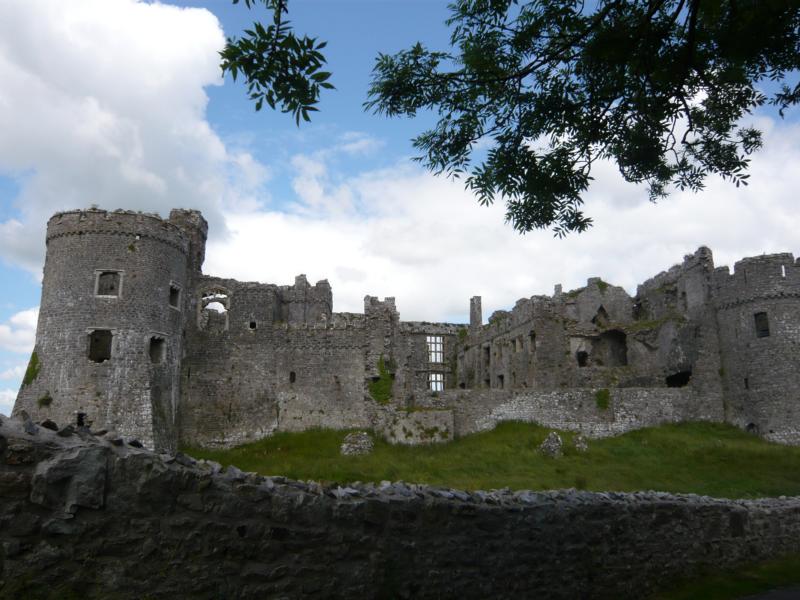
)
(757, 277)
(136, 225)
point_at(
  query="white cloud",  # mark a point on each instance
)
(102, 102)
(426, 241)
(15, 372)
(18, 334)
(7, 398)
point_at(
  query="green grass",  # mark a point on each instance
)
(702, 458)
(32, 372)
(736, 583)
(381, 388)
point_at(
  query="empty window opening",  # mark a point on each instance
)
(292, 376)
(601, 319)
(639, 311)
(746, 383)
(158, 350)
(462, 385)
(500, 381)
(80, 419)
(108, 283)
(487, 382)
(436, 382)
(532, 340)
(518, 344)
(487, 355)
(679, 379)
(611, 349)
(752, 428)
(214, 305)
(582, 357)
(100, 345)
(435, 348)
(762, 324)
(684, 301)
(253, 325)
(783, 271)
(174, 296)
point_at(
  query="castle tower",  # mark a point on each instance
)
(115, 296)
(758, 309)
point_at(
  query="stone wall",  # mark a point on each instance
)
(96, 518)
(595, 413)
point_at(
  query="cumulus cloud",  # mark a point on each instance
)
(7, 398)
(403, 232)
(102, 103)
(18, 333)
(14, 373)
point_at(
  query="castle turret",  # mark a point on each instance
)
(758, 311)
(109, 336)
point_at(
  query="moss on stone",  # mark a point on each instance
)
(45, 400)
(381, 388)
(602, 398)
(32, 372)
(602, 286)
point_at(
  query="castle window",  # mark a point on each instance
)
(158, 350)
(100, 345)
(679, 379)
(253, 325)
(783, 271)
(292, 377)
(435, 348)
(436, 382)
(762, 324)
(174, 296)
(582, 357)
(532, 340)
(500, 381)
(108, 284)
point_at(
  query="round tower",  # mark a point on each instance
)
(758, 314)
(111, 320)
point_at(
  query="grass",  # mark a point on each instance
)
(381, 388)
(701, 458)
(601, 398)
(32, 372)
(736, 583)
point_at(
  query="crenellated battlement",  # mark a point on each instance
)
(757, 277)
(136, 225)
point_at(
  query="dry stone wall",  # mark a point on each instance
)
(97, 518)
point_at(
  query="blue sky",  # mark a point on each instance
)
(120, 103)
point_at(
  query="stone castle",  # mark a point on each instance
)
(133, 337)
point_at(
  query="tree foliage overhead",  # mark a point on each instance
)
(279, 68)
(533, 92)
(659, 87)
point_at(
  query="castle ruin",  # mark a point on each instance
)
(133, 337)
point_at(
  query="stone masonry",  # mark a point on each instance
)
(95, 517)
(133, 337)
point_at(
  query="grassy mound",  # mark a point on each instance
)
(701, 458)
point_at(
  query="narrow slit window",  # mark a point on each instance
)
(292, 377)
(100, 345)
(108, 283)
(174, 296)
(762, 324)
(253, 325)
(436, 382)
(435, 348)
(783, 271)
(157, 350)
